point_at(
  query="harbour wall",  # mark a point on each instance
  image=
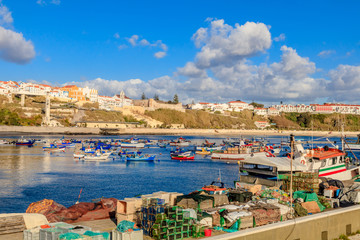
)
(18, 130)
(323, 226)
(163, 131)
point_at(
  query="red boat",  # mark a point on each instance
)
(182, 157)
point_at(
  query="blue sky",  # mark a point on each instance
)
(89, 43)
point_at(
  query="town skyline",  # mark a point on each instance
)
(217, 53)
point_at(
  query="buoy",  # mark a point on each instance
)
(303, 162)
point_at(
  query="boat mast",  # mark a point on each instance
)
(291, 171)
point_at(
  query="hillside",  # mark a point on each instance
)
(202, 119)
(324, 122)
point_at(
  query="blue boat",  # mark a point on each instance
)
(23, 142)
(141, 158)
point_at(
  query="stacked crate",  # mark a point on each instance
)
(127, 209)
(303, 181)
(166, 223)
(149, 211)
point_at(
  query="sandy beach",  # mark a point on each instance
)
(22, 130)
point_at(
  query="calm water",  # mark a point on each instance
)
(30, 174)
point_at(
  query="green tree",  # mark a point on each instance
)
(257, 105)
(143, 97)
(176, 99)
(156, 97)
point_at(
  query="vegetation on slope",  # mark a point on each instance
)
(202, 119)
(107, 116)
(325, 122)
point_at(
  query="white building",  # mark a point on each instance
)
(122, 100)
(238, 106)
(272, 111)
(90, 94)
(261, 124)
(261, 111)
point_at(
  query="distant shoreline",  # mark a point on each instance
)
(22, 130)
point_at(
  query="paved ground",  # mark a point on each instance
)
(104, 225)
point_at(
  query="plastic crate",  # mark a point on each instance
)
(51, 233)
(32, 234)
(80, 229)
(97, 237)
(134, 235)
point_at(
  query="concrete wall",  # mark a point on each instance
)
(151, 104)
(105, 125)
(323, 226)
(47, 130)
(129, 110)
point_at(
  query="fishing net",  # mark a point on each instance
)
(70, 236)
(124, 226)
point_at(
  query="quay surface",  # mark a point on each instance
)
(29, 130)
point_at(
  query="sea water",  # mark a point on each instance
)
(28, 174)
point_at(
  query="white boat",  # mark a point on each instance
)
(132, 145)
(181, 142)
(327, 162)
(236, 156)
(79, 155)
(97, 156)
(3, 142)
(209, 149)
(353, 145)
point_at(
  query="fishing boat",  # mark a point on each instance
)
(24, 142)
(180, 142)
(132, 145)
(162, 144)
(97, 156)
(203, 152)
(244, 150)
(78, 155)
(327, 162)
(182, 155)
(141, 158)
(353, 145)
(210, 149)
(3, 142)
(54, 148)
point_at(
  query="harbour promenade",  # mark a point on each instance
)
(28, 130)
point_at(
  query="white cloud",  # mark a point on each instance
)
(160, 54)
(163, 86)
(45, 2)
(5, 16)
(56, 2)
(222, 70)
(144, 42)
(326, 53)
(116, 35)
(135, 41)
(122, 46)
(345, 79)
(191, 70)
(280, 38)
(14, 47)
(221, 43)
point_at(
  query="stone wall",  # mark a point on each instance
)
(322, 226)
(151, 105)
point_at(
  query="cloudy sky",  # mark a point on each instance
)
(266, 51)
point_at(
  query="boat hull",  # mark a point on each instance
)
(132, 145)
(234, 156)
(140, 159)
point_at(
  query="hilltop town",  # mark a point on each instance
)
(70, 105)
